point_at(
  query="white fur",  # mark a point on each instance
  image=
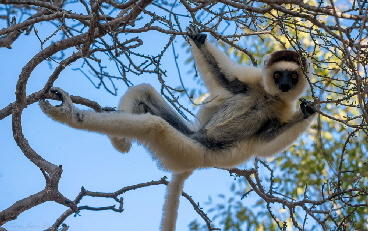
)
(175, 151)
(271, 88)
(284, 140)
(213, 87)
(171, 205)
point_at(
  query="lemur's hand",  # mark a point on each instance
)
(64, 113)
(195, 34)
(308, 108)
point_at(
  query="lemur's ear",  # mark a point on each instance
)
(265, 60)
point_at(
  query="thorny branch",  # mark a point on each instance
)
(51, 172)
(338, 46)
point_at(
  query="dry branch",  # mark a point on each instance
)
(105, 28)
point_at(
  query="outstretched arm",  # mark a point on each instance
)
(217, 69)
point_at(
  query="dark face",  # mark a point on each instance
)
(285, 80)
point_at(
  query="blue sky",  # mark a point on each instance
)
(88, 159)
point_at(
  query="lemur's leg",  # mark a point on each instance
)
(143, 99)
(275, 136)
(164, 134)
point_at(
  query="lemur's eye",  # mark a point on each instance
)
(276, 76)
(294, 76)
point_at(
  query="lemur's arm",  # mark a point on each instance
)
(216, 65)
(276, 136)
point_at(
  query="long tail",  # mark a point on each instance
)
(174, 190)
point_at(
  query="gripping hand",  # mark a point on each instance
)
(64, 113)
(195, 34)
(308, 108)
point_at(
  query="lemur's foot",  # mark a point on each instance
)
(308, 108)
(195, 34)
(66, 112)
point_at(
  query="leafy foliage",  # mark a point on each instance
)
(327, 166)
